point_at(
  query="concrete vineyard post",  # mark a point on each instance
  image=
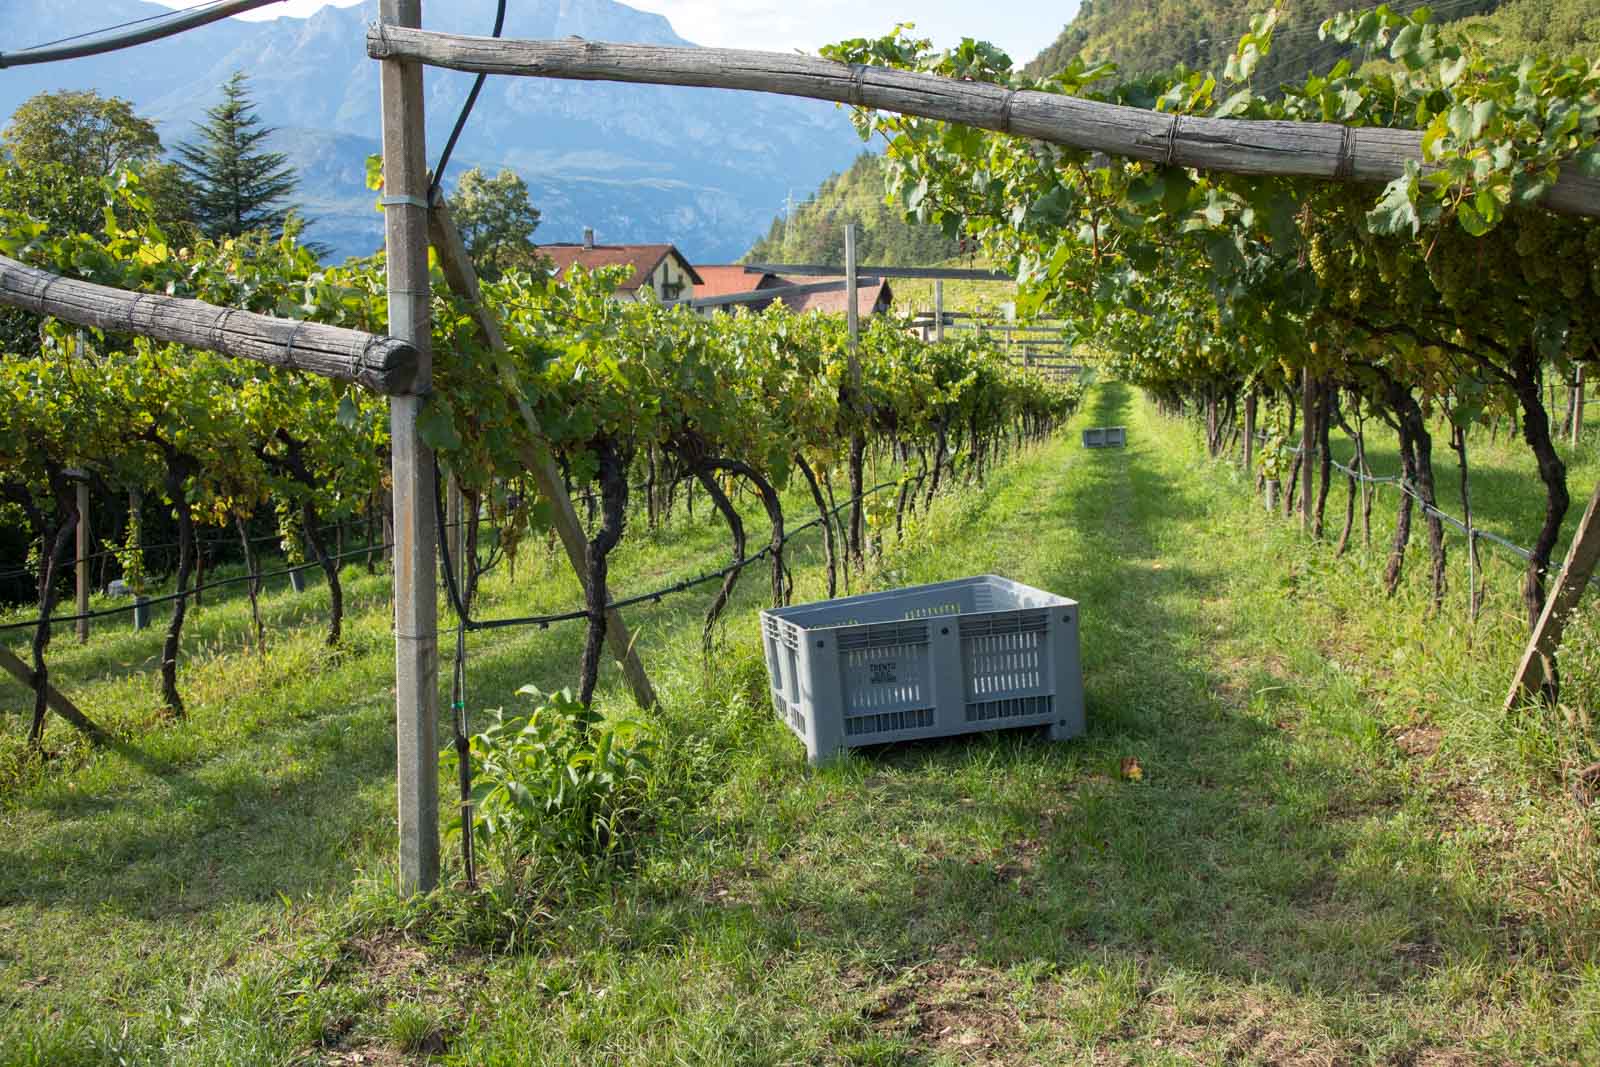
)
(938, 309)
(405, 191)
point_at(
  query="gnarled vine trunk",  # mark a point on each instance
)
(1553, 473)
(826, 518)
(180, 467)
(613, 476)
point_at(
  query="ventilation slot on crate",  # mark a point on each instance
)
(1003, 663)
(930, 612)
(1014, 708)
(797, 720)
(889, 722)
(1011, 622)
(884, 635)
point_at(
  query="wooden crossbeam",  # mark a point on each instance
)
(383, 364)
(1322, 150)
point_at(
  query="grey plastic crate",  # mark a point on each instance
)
(957, 657)
(1106, 437)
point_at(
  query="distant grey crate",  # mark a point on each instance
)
(957, 657)
(1106, 437)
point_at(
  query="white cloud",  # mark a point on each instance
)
(1022, 29)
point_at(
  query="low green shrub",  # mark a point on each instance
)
(559, 781)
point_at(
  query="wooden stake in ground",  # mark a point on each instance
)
(1536, 673)
(53, 698)
(1308, 446)
(1577, 406)
(463, 280)
(405, 191)
(83, 544)
(1250, 436)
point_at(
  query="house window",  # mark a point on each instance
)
(671, 290)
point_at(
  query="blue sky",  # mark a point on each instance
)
(1022, 29)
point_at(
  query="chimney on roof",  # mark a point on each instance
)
(588, 237)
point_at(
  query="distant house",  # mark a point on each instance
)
(870, 299)
(728, 280)
(658, 269)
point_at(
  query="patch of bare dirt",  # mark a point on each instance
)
(966, 1013)
(1420, 741)
(389, 957)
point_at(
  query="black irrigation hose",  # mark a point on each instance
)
(466, 111)
(222, 542)
(169, 597)
(545, 621)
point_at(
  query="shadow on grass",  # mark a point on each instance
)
(304, 795)
(1237, 855)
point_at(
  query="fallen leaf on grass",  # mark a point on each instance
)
(1132, 771)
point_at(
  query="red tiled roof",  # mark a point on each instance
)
(869, 298)
(642, 258)
(727, 279)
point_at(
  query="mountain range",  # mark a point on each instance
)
(701, 168)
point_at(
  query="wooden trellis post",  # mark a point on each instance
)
(1250, 437)
(405, 203)
(83, 545)
(857, 414)
(1308, 444)
(1577, 405)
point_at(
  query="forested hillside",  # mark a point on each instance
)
(814, 232)
(1146, 36)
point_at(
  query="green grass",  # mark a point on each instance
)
(1340, 851)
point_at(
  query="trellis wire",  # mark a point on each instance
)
(1412, 491)
(170, 597)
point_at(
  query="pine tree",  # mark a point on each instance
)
(234, 185)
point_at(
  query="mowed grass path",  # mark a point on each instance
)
(1337, 851)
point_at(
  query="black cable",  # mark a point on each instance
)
(169, 597)
(119, 26)
(98, 42)
(543, 621)
(466, 111)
